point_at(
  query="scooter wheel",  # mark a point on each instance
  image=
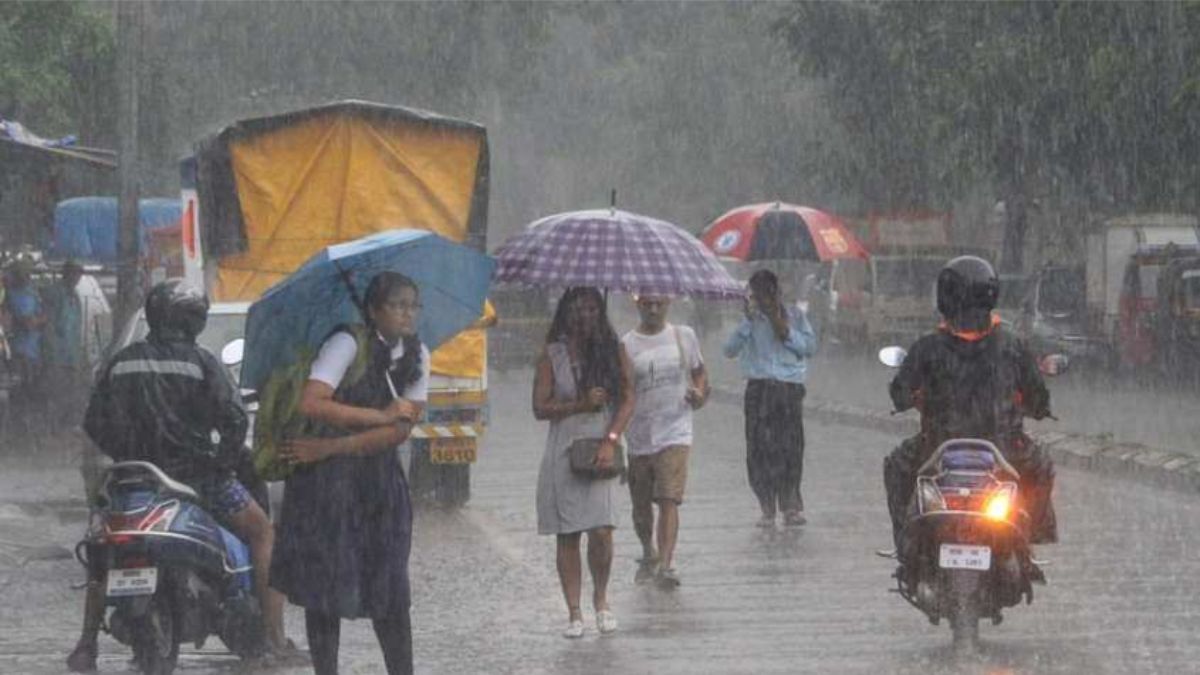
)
(156, 645)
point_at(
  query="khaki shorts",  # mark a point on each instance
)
(660, 476)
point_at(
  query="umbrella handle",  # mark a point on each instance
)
(391, 387)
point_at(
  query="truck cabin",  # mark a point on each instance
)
(1139, 301)
(1179, 289)
(1139, 291)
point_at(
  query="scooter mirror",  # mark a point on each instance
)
(231, 354)
(892, 356)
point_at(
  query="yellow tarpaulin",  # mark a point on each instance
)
(333, 177)
(462, 355)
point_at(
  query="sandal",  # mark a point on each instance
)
(606, 622)
(574, 630)
(289, 655)
(646, 571)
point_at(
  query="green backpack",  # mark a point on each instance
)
(278, 417)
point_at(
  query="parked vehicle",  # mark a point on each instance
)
(1125, 257)
(1177, 321)
(1051, 315)
(174, 575)
(263, 195)
(890, 296)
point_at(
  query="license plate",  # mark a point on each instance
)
(132, 581)
(452, 451)
(964, 557)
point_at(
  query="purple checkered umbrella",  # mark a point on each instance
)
(614, 250)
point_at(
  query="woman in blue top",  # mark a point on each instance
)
(773, 344)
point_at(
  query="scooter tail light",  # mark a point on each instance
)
(999, 504)
(159, 519)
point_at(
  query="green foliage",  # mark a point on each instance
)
(1057, 100)
(55, 57)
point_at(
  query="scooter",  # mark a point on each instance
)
(173, 574)
(965, 554)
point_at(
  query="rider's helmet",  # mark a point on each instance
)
(176, 310)
(967, 289)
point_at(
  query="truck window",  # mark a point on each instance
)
(1013, 291)
(1189, 290)
(903, 277)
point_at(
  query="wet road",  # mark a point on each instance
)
(1120, 599)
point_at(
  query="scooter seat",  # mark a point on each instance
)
(962, 459)
(167, 484)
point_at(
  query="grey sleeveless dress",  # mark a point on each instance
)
(568, 503)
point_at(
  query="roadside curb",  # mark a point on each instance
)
(1100, 454)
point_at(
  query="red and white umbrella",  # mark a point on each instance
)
(781, 231)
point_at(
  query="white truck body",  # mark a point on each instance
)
(1110, 248)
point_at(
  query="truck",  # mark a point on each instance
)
(1126, 255)
(263, 195)
(889, 297)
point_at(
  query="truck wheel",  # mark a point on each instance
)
(444, 485)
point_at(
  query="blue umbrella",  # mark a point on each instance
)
(300, 311)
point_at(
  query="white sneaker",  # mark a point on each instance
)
(606, 622)
(574, 629)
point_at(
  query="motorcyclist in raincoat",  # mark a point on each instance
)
(169, 401)
(972, 378)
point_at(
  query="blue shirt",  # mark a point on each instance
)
(26, 342)
(763, 357)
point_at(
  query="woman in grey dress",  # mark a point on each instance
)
(584, 388)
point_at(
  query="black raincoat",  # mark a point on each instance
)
(171, 403)
(972, 386)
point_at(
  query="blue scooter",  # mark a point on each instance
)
(173, 574)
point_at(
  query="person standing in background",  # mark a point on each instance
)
(773, 343)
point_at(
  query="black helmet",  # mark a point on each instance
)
(967, 289)
(176, 310)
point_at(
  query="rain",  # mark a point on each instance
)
(280, 156)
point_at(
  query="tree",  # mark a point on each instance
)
(56, 67)
(1059, 101)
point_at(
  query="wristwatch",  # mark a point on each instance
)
(612, 437)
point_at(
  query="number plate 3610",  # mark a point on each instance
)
(452, 451)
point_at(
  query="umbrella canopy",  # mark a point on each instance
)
(614, 250)
(304, 308)
(781, 231)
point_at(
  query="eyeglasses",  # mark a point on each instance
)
(413, 307)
